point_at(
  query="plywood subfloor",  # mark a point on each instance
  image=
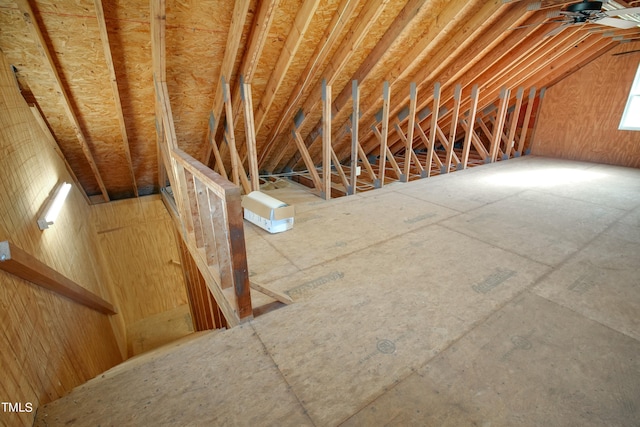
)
(502, 295)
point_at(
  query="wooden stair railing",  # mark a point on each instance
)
(209, 211)
(214, 234)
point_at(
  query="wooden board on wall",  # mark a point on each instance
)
(580, 115)
(49, 343)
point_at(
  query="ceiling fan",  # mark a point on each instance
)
(589, 12)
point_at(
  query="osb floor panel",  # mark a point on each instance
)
(502, 295)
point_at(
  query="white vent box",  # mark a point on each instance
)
(267, 212)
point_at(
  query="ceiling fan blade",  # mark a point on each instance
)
(556, 31)
(536, 5)
(627, 11)
(617, 23)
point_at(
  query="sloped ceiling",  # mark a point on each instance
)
(87, 67)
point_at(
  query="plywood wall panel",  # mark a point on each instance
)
(580, 115)
(49, 343)
(138, 244)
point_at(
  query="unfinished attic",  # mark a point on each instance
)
(457, 186)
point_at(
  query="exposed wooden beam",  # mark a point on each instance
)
(513, 77)
(242, 174)
(214, 147)
(326, 140)
(525, 122)
(52, 140)
(516, 70)
(469, 132)
(340, 170)
(261, 25)
(499, 124)
(388, 156)
(158, 39)
(165, 128)
(367, 164)
(335, 28)
(558, 74)
(260, 29)
(412, 155)
(536, 117)
(355, 121)
(426, 141)
(19, 263)
(454, 124)
(434, 123)
(32, 24)
(294, 39)
(471, 66)
(466, 27)
(384, 135)
(250, 135)
(235, 175)
(550, 74)
(278, 296)
(394, 163)
(413, 97)
(238, 18)
(444, 141)
(514, 123)
(307, 160)
(434, 44)
(475, 140)
(412, 11)
(104, 37)
(366, 19)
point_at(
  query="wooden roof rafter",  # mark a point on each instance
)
(257, 38)
(468, 73)
(104, 37)
(36, 33)
(239, 16)
(490, 47)
(537, 58)
(594, 47)
(335, 28)
(493, 79)
(529, 76)
(361, 27)
(413, 11)
(497, 60)
(292, 43)
(459, 37)
(558, 74)
(486, 43)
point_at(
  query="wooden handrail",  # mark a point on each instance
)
(212, 217)
(17, 262)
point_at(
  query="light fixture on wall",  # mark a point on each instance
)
(54, 205)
